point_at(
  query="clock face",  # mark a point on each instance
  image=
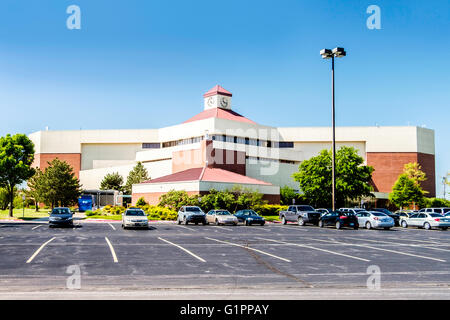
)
(210, 101)
(224, 102)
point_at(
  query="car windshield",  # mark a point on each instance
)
(135, 213)
(446, 210)
(378, 214)
(61, 211)
(305, 208)
(192, 209)
(223, 213)
(250, 213)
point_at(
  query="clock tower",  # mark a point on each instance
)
(217, 97)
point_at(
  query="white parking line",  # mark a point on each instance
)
(319, 249)
(387, 250)
(246, 247)
(401, 244)
(36, 227)
(112, 250)
(112, 226)
(297, 228)
(421, 241)
(39, 250)
(190, 229)
(223, 228)
(185, 250)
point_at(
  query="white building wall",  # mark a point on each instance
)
(96, 155)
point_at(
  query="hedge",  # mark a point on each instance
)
(269, 209)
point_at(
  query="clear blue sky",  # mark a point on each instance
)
(146, 64)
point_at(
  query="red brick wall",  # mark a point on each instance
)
(389, 165)
(74, 159)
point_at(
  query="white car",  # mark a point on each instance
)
(374, 219)
(134, 217)
(221, 217)
(426, 221)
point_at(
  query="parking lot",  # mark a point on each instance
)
(176, 261)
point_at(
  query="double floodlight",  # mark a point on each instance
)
(336, 52)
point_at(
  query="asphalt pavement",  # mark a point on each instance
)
(170, 261)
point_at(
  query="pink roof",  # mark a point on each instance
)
(217, 90)
(209, 174)
(219, 113)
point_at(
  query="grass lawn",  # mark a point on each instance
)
(29, 213)
(271, 218)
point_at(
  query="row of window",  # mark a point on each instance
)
(223, 138)
(253, 142)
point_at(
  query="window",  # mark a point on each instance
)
(151, 145)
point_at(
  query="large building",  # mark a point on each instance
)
(219, 148)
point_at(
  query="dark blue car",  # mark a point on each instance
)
(249, 217)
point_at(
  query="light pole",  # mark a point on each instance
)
(331, 54)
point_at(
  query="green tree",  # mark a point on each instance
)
(58, 185)
(287, 194)
(246, 198)
(4, 199)
(405, 192)
(141, 202)
(352, 177)
(174, 200)
(112, 181)
(34, 188)
(137, 175)
(16, 157)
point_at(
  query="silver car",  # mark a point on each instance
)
(134, 218)
(374, 219)
(426, 221)
(221, 217)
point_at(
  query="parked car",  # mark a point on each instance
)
(394, 216)
(353, 210)
(339, 219)
(249, 217)
(323, 211)
(426, 221)
(300, 213)
(442, 211)
(134, 217)
(219, 217)
(60, 217)
(374, 219)
(405, 215)
(188, 214)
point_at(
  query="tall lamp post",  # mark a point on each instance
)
(331, 54)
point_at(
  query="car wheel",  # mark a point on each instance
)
(404, 224)
(196, 223)
(387, 228)
(301, 222)
(204, 223)
(444, 228)
(283, 220)
(178, 220)
(217, 222)
(368, 225)
(427, 226)
(263, 223)
(185, 221)
(355, 227)
(321, 224)
(338, 225)
(246, 222)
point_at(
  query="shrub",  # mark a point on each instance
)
(89, 213)
(141, 202)
(162, 213)
(269, 209)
